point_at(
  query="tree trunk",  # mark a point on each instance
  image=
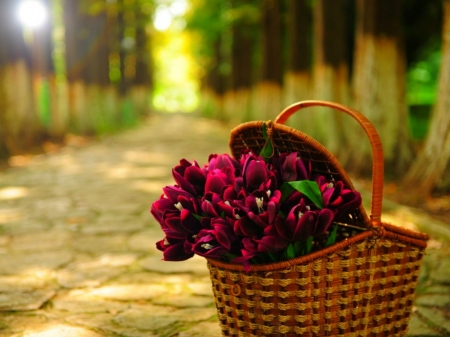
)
(331, 70)
(237, 98)
(298, 77)
(268, 92)
(123, 84)
(44, 82)
(430, 167)
(213, 87)
(20, 129)
(87, 67)
(379, 83)
(142, 85)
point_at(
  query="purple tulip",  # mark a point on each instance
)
(302, 222)
(268, 242)
(231, 209)
(174, 249)
(217, 162)
(290, 167)
(338, 198)
(189, 177)
(262, 209)
(255, 173)
(210, 205)
(217, 180)
(217, 241)
(159, 207)
(173, 192)
(191, 204)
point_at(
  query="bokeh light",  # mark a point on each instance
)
(32, 13)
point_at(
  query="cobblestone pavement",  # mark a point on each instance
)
(77, 255)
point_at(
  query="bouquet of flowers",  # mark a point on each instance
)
(249, 211)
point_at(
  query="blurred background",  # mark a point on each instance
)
(93, 67)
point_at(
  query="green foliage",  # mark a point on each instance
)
(422, 86)
(422, 79)
(44, 104)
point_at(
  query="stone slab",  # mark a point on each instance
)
(418, 328)
(24, 300)
(434, 318)
(199, 330)
(145, 320)
(63, 330)
(434, 300)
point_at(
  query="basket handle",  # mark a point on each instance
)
(375, 142)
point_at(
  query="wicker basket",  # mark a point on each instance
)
(361, 286)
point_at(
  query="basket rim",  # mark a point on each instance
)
(386, 230)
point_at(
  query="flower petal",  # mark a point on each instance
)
(289, 169)
(324, 221)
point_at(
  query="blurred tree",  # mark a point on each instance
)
(422, 25)
(206, 19)
(20, 129)
(429, 169)
(143, 81)
(268, 90)
(43, 70)
(122, 47)
(331, 69)
(379, 82)
(244, 16)
(87, 66)
(298, 77)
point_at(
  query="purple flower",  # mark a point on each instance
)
(290, 167)
(189, 177)
(218, 162)
(268, 242)
(174, 249)
(217, 180)
(302, 222)
(262, 209)
(210, 204)
(255, 173)
(217, 241)
(338, 198)
(234, 207)
(173, 192)
(159, 207)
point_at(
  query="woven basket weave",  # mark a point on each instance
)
(361, 286)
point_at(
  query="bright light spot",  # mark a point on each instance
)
(32, 13)
(179, 7)
(8, 193)
(163, 18)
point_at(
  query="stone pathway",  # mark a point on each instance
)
(77, 255)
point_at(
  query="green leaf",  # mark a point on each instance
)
(267, 150)
(290, 252)
(308, 245)
(198, 217)
(298, 248)
(332, 237)
(228, 257)
(307, 187)
(272, 257)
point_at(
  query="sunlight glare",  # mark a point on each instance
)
(163, 18)
(13, 192)
(179, 7)
(32, 13)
